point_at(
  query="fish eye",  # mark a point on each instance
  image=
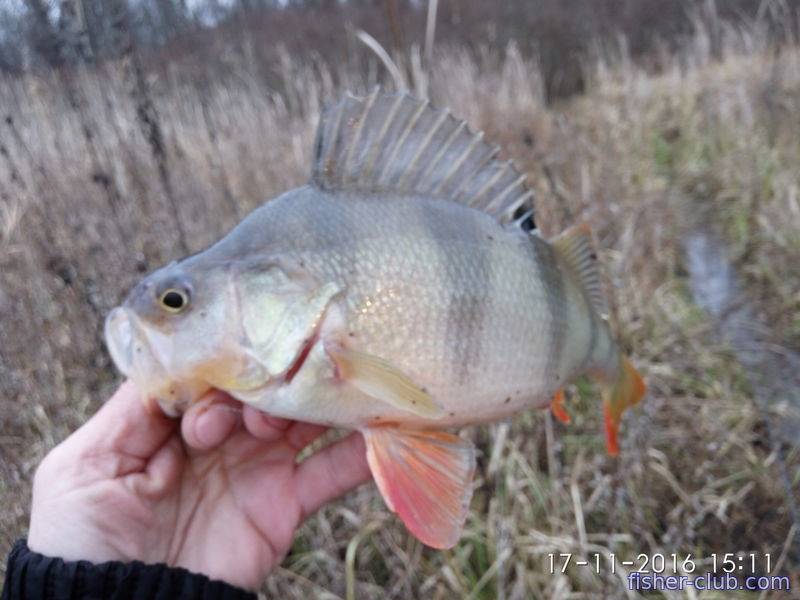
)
(174, 300)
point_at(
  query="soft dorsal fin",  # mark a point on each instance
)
(396, 143)
(575, 247)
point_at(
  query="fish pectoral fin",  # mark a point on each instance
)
(557, 406)
(377, 378)
(425, 477)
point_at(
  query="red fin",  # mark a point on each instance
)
(557, 406)
(626, 391)
(424, 476)
(612, 429)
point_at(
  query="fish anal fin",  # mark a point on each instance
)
(397, 143)
(425, 477)
(576, 250)
(557, 406)
(375, 377)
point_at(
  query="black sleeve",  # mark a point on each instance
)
(31, 576)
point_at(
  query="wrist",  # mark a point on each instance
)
(31, 574)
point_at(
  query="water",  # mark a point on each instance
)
(772, 371)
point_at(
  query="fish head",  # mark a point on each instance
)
(195, 325)
(177, 335)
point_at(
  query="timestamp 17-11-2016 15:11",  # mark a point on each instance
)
(728, 562)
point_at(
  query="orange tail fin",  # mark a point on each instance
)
(626, 391)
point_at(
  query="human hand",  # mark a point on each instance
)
(218, 492)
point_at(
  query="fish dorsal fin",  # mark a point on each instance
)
(397, 143)
(575, 247)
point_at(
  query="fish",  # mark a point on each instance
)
(404, 292)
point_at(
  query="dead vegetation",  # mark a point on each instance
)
(84, 213)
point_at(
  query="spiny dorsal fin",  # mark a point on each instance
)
(396, 143)
(575, 247)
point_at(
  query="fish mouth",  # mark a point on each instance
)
(133, 355)
(119, 334)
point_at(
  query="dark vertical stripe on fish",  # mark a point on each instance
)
(553, 281)
(466, 307)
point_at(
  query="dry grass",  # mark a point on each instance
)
(639, 157)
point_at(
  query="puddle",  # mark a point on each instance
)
(772, 371)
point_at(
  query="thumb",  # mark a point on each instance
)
(125, 426)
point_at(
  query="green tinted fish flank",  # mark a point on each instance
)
(395, 294)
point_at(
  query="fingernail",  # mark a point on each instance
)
(214, 424)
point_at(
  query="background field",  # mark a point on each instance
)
(110, 168)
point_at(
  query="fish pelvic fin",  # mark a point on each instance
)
(574, 246)
(375, 377)
(425, 477)
(399, 144)
(557, 406)
(625, 391)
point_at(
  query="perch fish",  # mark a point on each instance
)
(394, 294)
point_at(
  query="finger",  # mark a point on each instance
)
(270, 429)
(210, 421)
(262, 426)
(123, 425)
(331, 472)
(300, 435)
(163, 468)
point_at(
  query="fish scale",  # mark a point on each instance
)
(424, 327)
(396, 295)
